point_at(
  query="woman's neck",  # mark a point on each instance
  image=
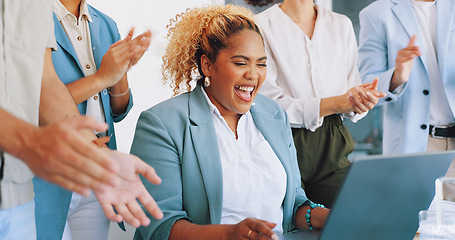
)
(73, 6)
(299, 10)
(232, 121)
(302, 12)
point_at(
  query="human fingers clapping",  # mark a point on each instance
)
(116, 61)
(142, 42)
(60, 154)
(252, 228)
(363, 101)
(373, 88)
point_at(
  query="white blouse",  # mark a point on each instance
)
(254, 180)
(301, 71)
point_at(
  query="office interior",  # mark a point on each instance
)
(146, 81)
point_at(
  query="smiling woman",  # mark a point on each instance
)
(236, 75)
(228, 166)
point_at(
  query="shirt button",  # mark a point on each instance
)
(426, 92)
(95, 97)
(87, 66)
(423, 126)
(104, 92)
(388, 99)
(79, 38)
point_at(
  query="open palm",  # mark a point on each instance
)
(124, 198)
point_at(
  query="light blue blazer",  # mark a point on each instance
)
(52, 202)
(177, 137)
(386, 27)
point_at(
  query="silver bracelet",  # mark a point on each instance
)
(118, 95)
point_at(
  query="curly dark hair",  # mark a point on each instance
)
(259, 3)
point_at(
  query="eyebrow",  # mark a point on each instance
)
(247, 58)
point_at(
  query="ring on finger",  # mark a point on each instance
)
(249, 233)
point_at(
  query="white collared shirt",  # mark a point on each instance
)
(78, 31)
(440, 111)
(254, 180)
(26, 29)
(300, 70)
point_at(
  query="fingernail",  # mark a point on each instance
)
(274, 237)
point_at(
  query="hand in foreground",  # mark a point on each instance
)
(121, 56)
(365, 97)
(58, 153)
(403, 63)
(252, 228)
(123, 198)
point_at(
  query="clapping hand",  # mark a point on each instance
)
(121, 56)
(365, 96)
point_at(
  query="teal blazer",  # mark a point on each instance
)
(177, 137)
(103, 33)
(51, 201)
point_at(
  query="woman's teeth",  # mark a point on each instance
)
(246, 89)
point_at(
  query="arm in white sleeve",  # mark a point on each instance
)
(301, 112)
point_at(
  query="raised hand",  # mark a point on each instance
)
(124, 197)
(403, 63)
(143, 41)
(58, 153)
(121, 56)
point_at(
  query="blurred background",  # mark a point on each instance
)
(146, 81)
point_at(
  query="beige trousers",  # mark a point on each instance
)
(442, 144)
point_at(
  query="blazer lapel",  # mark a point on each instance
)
(206, 148)
(94, 26)
(273, 130)
(95, 39)
(445, 14)
(63, 40)
(406, 16)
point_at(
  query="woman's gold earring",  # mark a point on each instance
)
(206, 82)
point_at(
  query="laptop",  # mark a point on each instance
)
(381, 197)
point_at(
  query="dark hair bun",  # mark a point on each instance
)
(259, 3)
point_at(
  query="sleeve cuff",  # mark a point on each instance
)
(311, 118)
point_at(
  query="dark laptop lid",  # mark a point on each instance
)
(382, 195)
